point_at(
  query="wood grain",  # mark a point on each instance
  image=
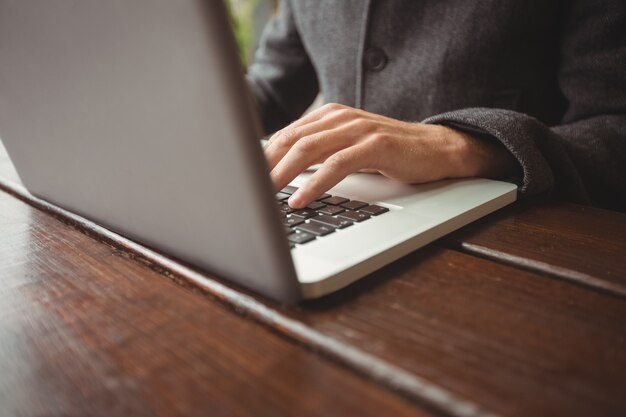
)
(580, 244)
(514, 342)
(485, 337)
(87, 331)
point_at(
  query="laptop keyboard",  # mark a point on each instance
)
(323, 216)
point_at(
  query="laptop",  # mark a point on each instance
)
(136, 115)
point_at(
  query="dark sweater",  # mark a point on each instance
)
(546, 78)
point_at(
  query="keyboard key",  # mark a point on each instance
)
(331, 210)
(282, 196)
(332, 221)
(323, 196)
(292, 221)
(353, 205)
(289, 190)
(289, 230)
(354, 216)
(374, 210)
(335, 201)
(304, 213)
(316, 205)
(285, 209)
(318, 229)
(300, 237)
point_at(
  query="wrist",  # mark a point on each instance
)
(471, 156)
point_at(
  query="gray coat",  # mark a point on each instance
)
(546, 78)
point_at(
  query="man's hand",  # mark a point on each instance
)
(347, 140)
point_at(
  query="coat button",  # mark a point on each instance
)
(375, 59)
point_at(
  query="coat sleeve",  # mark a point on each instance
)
(282, 78)
(583, 157)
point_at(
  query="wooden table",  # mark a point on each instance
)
(520, 314)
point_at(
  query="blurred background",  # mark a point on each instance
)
(249, 18)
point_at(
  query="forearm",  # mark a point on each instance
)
(580, 161)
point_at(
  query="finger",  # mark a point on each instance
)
(308, 151)
(333, 112)
(324, 118)
(333, 170)
(311, 117)
(288, 138)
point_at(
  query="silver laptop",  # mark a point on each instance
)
(135, 114)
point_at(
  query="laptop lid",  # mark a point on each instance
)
(135, 114)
